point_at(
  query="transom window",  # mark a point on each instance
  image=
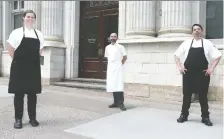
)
(18, 9)
(214, 19)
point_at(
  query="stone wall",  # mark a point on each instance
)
(151, 72)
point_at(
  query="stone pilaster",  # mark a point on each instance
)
(175, 19)
(71, 38)
(140, 19)
(53, 68)
(52, 20)
(1, 21)
(36, 7)
(122, 20)
(7, 18)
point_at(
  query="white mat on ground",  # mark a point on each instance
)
(148, 123)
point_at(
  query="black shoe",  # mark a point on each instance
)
(34, 123)
(207, 121)
(113, 105)
(182, 119)
(122, 107)
(18, 124)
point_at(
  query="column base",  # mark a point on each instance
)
(145, 34)
(174, 32)
(53, 68)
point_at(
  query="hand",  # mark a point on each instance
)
(182, 69)
(208, 71)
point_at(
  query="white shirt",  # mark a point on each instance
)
(16, 37)
(115, 52)
(211, 52)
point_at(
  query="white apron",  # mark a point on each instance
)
(115, 69)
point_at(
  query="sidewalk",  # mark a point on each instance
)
(69, 113)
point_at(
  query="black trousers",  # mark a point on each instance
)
(195, 82)
(19, 105)
(118, 97)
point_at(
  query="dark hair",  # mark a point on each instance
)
(196, 25)
(29, 11)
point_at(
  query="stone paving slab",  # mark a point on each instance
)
(148, 123)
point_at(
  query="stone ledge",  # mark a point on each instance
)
(166, 92)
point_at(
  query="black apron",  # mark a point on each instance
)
(25, 73)
(194, 79)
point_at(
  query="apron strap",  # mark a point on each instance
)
(23, 32)
(192, 42)
(202, 43)
(36, 33)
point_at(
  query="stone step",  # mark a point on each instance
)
(84, 85)
(86, 80)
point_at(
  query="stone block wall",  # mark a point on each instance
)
(150, 71)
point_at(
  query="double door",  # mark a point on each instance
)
(96, 27)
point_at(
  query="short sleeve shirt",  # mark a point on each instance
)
(16, 37)
(211, 52)
(115, 52)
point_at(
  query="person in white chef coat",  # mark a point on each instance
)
(116, 56)
(25, 46)
(196, 54)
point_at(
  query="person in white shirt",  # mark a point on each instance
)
(116, 56)
(25, 46)
(196, 55)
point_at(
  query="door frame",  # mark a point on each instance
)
(102, 12)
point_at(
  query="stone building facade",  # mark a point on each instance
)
(76, 34)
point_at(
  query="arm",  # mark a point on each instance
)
(215, 54)
(124, 59)
(179, 52)
(215, 62)
(10, 50)
(12, 42)
(41, 52)
(177, 60)
(41, 38)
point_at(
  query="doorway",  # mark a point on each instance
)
(98, 20)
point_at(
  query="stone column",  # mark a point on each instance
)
(36, 7)
(52, 20)
(140, 19)
(175, 19)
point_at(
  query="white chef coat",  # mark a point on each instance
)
(211, 52)
(16, 37)
(114, 54)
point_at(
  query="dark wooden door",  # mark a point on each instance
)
(96, 26)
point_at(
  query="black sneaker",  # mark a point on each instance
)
(182, 119)
(122, 107)
(18, 124)
(34, 123)
(113, 105)
(207, 121)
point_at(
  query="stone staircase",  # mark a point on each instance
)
(85, 83)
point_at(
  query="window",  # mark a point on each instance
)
(214, 19)
(18, 8)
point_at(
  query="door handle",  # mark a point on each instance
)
(100, 52)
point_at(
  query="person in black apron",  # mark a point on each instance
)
(25, 77)
(196, 79)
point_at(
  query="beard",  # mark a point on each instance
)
(113, 40)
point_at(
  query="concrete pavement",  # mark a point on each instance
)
(69, 113)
